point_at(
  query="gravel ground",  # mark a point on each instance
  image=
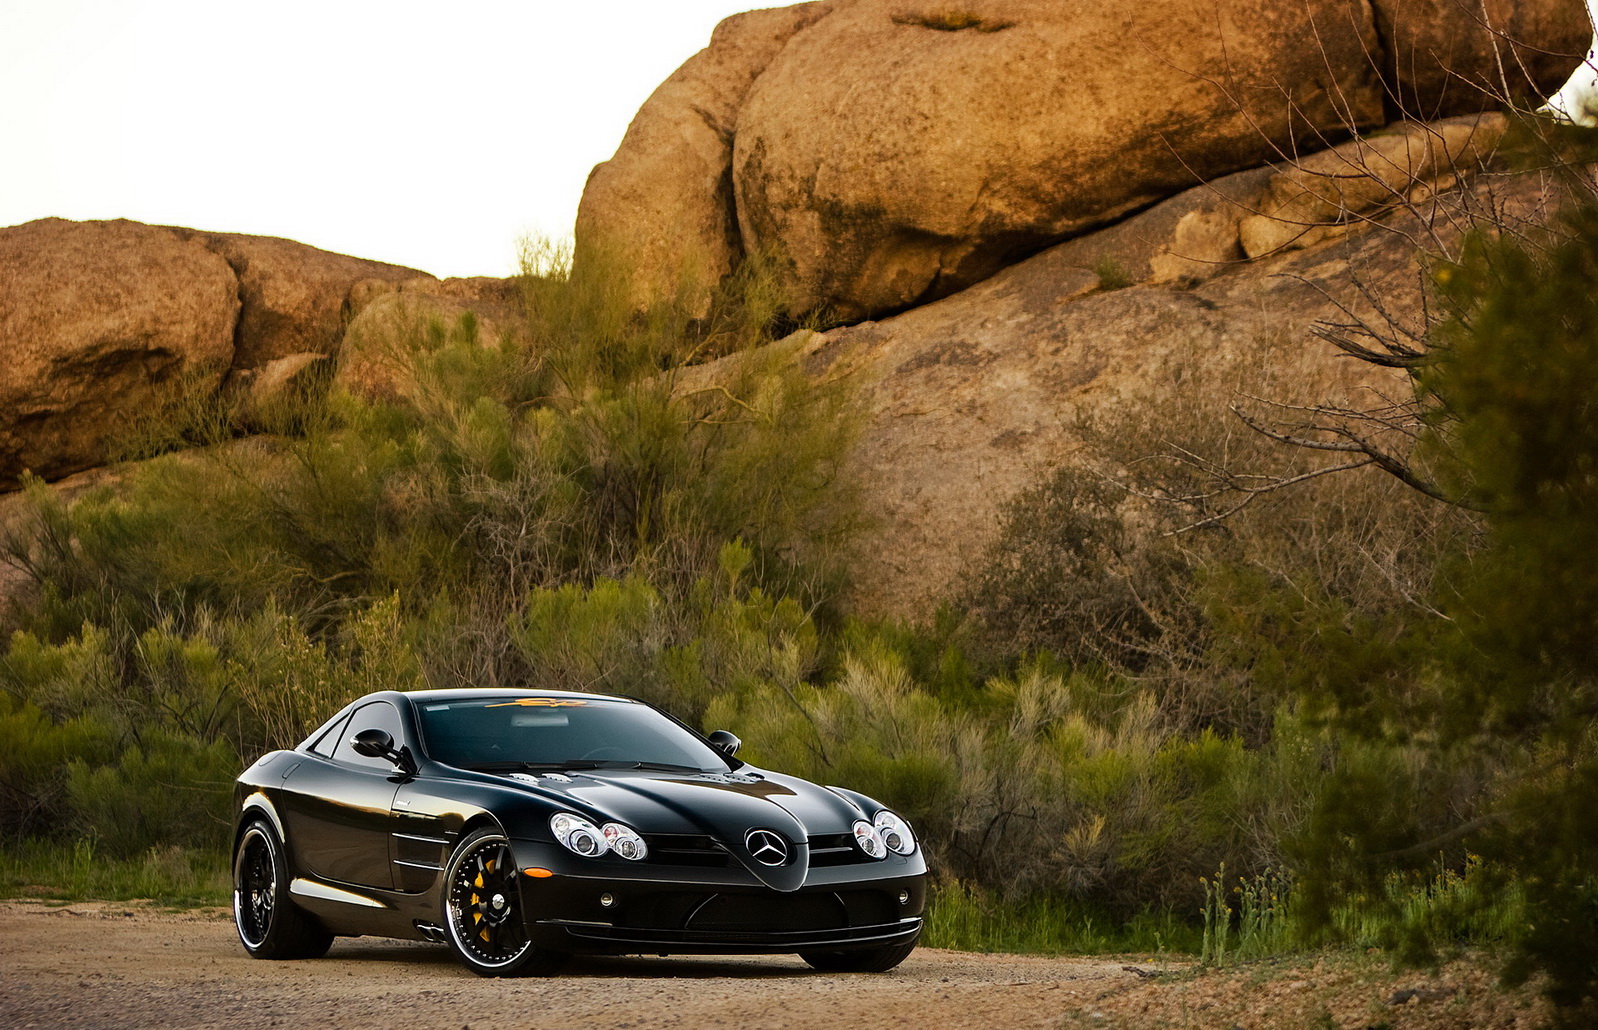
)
(130, 965)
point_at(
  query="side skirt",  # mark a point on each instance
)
(350, 911)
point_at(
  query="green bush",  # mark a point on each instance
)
(34, 754)
(166, 790)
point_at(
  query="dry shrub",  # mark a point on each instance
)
(1146, 558)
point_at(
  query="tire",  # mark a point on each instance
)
(483, 918)
(270, 925)
(861, 960)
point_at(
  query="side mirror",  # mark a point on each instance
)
(725, 742)
(374, 743)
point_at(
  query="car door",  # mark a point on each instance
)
(337, 805)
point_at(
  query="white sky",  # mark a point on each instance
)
(427, 134)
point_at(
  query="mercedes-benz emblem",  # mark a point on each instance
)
(766, 847)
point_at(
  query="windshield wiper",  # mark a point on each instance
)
(628, 763)
(581, 763)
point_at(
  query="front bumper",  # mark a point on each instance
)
(618, 907)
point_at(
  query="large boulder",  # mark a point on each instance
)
(100, 321)
(948, 144)
(295, 296)
(1447, 57)
(896, 152)
(662, 207)
(973, 398)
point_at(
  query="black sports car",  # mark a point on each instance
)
(520, 827)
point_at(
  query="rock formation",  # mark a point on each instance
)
(294, 297)
(104, 321)
(973, 398)
(664, 202)
(949, 141)
(897, 184)
(97, 320)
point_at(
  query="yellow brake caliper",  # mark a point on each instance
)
(476, 915)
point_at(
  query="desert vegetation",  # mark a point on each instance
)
(1203, 693)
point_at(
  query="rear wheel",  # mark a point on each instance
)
(862, 960)
(269, 924)
(483, 911)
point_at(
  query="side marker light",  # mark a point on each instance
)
(538, 873)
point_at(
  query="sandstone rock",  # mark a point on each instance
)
(938, 151)
(1326, 192)
(973, 398)
(1447, 57)
(946, 146)
(1204, 231)
(479, 289)
(294, 296)
(896, 152)
(1191, 236)
(664, 202)
(99, 321)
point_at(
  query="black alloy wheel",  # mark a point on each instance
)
(269, 924)
(483, 911)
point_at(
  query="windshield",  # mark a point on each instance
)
(532, 733)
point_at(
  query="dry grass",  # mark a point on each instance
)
(1352, 991)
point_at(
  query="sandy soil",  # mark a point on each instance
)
(116, 965)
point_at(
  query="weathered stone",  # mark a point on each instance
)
(1327, 192)
(1190, 236)
(1447, 57)
(937, 153)
(973, 398)
(295, 297)
(896, 152)
(663, 204)
(99, 322)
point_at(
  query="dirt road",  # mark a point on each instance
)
(104, 965)
(127, 966)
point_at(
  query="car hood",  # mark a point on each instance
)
(723, 806)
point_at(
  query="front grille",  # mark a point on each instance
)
(666, 910)
(697, 849)
(770, 913)
(754, 912)
(691, 849)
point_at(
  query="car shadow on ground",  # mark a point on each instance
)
(632, 967)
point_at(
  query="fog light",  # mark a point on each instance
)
(904, 897)
(607, 900)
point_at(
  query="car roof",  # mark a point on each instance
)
(475, 693)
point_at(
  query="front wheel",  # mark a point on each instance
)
(483, 911)
(861, 960)
(269, 924)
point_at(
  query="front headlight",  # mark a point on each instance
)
(590, 841)
(865, 836)
(578, 834)
(624, 841)
(895, 833)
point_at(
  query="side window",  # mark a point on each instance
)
(329, 739)
(377, 715)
